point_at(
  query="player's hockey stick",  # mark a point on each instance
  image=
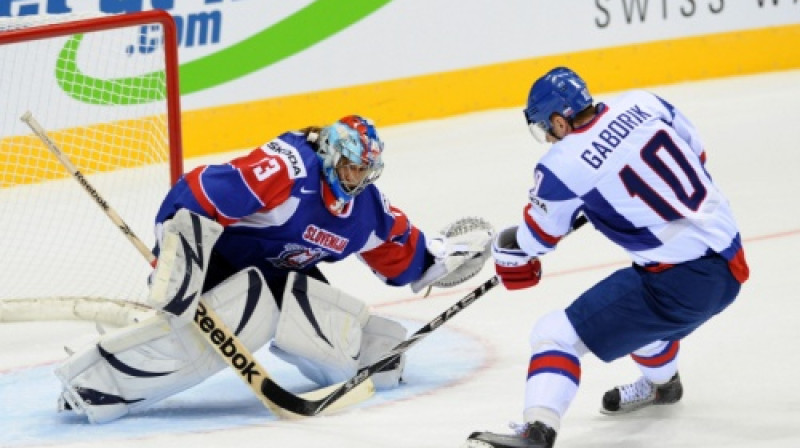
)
(302, 406)
(206, 320)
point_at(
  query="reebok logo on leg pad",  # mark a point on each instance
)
(226, 345)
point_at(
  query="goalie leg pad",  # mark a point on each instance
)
(136, 366)
(89, 380)
(380, 336)
(319, 330)
(182, 264)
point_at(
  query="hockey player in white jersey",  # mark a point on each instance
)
(635, 167)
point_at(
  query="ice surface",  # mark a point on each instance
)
(739, 370)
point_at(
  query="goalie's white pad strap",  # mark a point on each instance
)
(136, 366)
(319, 330)
(181, 270)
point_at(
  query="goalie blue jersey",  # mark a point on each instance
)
(637, 171)
(275, 207)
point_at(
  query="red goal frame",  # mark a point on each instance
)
(170, 63)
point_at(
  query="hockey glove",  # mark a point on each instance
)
(459, 253)
(516, 269)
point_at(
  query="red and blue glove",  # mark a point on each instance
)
(516, 269)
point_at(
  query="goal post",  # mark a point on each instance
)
(106, 89)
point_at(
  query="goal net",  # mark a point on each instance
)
(105, 89)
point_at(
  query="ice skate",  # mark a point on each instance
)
(641, 393)
(529, 435)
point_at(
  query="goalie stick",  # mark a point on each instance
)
(303, 406)
(206, 320)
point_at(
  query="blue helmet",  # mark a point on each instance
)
(560, 91)
(350, 143)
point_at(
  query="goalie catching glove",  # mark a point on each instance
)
(459, 253)
(516, 269)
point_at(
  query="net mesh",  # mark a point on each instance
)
(101, 96)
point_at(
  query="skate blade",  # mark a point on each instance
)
(625, 410)
(476, 444)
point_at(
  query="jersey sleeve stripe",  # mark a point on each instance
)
(615, 226)
(552, 188)
(196, 187)
(198, 180)
(397, 256)
(393, 259)
(543, 237)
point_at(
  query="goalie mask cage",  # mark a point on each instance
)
(106, 90)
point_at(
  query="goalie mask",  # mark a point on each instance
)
(350, 151)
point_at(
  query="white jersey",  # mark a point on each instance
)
(637, 172)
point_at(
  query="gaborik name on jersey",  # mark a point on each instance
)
(612, 135)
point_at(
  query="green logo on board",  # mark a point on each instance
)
(295, 33)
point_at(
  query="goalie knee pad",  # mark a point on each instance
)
(185, 249)
(380, 336)
(136, 366)
(319, 330)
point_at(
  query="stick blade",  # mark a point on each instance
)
(320, 401)
(360, 393)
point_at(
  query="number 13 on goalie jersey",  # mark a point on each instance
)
(640, 177)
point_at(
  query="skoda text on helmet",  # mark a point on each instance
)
(560, 91)
(351, 145)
